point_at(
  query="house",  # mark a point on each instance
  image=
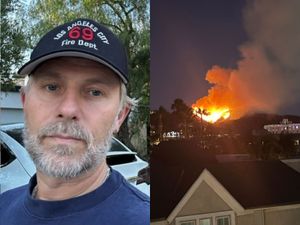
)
(11, 108)
(232, 193)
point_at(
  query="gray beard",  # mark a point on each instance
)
(64, 161)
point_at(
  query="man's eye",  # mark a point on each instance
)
(95, 92)
(51, 87)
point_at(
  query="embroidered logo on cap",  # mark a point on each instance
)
(84, 38)
(81, 33)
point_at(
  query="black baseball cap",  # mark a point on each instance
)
(83, 38)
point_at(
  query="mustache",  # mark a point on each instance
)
(69, 128)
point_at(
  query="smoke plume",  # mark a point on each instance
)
(268, 75)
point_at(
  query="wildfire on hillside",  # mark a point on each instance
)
(266, 76)
(212, 115)
(231, 96)
(220, 101)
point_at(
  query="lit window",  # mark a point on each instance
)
(224, 220)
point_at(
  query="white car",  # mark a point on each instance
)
(17, 167)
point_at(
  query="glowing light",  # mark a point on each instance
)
(212, 115)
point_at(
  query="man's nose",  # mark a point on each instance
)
(69, 107)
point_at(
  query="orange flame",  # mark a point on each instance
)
(236, 92)
(213, 114)
(221, 101)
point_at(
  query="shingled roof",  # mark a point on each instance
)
(173, 172)
(259, 183)
(253, 184)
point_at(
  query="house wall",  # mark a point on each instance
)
(11, 116)
(204, 200)
(255, 218)
(245, 220)
(283, 217)
(280, 216)
(11, 108)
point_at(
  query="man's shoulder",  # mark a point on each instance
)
(12, 192)
(136, 193)
(132, 203)
(131, 192)
(12, 196)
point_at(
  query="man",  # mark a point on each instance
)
(74, 101)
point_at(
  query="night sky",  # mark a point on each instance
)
(187, 39)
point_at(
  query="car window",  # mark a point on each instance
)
(16, 134)
(6, 155)
(113, 160)
(117, 147)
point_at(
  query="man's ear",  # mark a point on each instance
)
(121, 117)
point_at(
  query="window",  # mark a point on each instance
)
(116, 146)
(216, 218)
(113, 160)
(192, 222)
(224, 220)
(6, 156)
(206, 221)
(16, 134)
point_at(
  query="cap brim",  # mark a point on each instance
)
(27, 68)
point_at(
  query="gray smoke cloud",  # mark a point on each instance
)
(271, 64)
(268, 75)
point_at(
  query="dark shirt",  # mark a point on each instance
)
(116, 202)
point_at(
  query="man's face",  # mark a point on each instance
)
(71, 109)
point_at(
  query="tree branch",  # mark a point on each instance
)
(113, 25)
(116, 12)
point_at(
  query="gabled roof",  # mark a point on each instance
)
(173, 171)
(168, 186)
(215, 185)
(252, 184)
